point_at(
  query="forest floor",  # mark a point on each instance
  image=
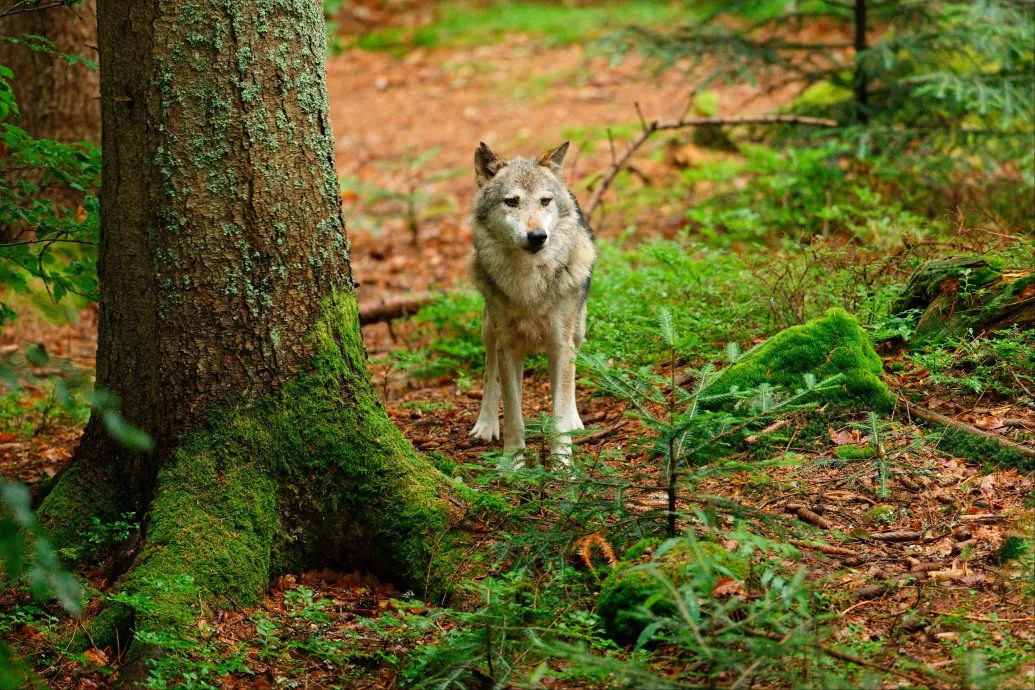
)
(909, 567)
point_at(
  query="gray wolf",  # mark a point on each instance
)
(532, 261)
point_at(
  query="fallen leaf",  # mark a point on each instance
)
(727, 587)
(96, 656)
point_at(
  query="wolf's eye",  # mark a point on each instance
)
(511, 201)
(545, 201)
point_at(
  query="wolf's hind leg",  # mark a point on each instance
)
(487, 428)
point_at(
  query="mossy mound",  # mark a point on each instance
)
(624, 596)
(832, 344)
(968, 292)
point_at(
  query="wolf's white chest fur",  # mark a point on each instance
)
(536, 296)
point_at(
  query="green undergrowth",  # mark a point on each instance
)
(1000, 363)
(317, 475)
(630, 594)
(467, 24)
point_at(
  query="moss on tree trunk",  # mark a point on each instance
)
(316, 474)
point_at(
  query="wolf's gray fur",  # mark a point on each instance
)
(532, 261)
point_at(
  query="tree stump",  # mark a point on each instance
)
(968, 293)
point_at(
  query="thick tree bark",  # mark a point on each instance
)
(228, 324)
(56, 100)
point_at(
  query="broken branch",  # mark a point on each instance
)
(649, 128)
(387, 310)
(931, 416)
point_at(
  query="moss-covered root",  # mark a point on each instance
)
(209, 539)
(83, 491)
(832, 344)
(317, 475)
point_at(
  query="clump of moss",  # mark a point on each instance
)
(964, 293)
(627, 596)
(987, 452)
(855, 452)
(83, 492)
(832, 344)
(881, 515)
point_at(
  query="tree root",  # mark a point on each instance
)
(937, 418)
(316, 476)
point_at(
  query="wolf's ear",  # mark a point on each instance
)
(486, 164)
(554, 159)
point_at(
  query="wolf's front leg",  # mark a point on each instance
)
(512, 369)
(487, 428)
(562, 390)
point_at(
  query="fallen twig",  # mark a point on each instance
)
(897, 535)
(937, 418)
(983, 619)
(594, 437)
(387, 310)
(649, 128)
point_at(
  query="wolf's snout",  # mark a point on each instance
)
(536, 239)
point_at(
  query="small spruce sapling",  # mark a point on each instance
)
(688, 425)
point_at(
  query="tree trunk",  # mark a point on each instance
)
(862, 87)
(56, 100)
(229, 329)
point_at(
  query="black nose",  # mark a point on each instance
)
(537, 237)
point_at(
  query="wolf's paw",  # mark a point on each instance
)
(486, 431)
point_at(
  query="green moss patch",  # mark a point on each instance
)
(628, 597)
(967, 292)
(986, 452)
(832, 344)
(84, 492)
(855, 452)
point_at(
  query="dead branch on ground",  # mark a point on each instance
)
(387, 310)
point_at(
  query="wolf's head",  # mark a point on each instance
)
(521, 200)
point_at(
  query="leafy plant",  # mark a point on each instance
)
(43, 247)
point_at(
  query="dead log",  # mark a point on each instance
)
(935, 417)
